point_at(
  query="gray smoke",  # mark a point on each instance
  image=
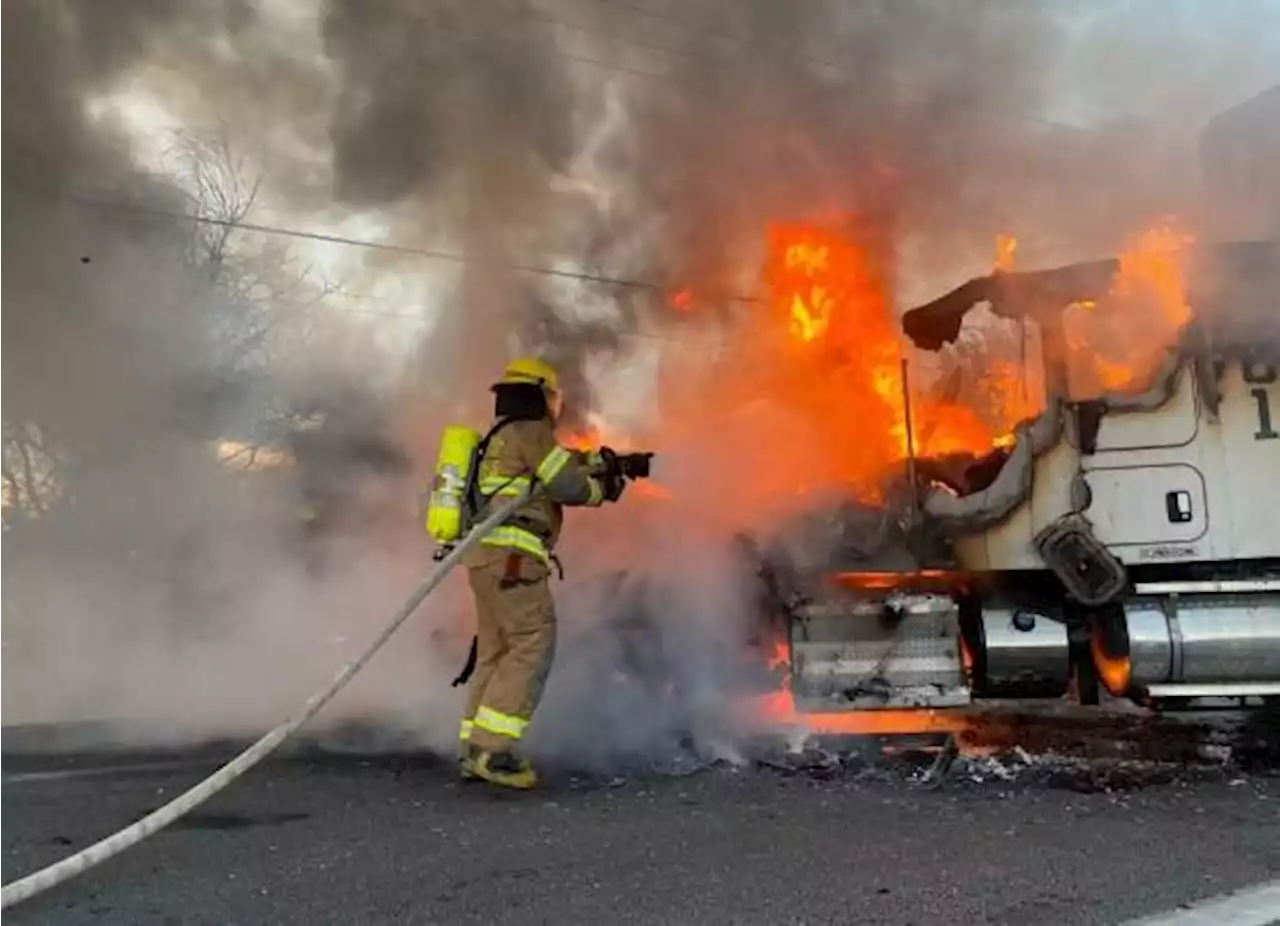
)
(100, 370)
(449, 121)
(144, 580)
(934, 126)
(1240, 156)
(933, 129)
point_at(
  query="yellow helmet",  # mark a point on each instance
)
(531, 370)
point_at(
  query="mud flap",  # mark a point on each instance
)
(1089, 572)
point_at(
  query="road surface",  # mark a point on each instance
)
(375, 840)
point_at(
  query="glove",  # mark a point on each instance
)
(613, 483)
(605, 461)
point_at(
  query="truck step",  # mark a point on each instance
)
(1215, 690)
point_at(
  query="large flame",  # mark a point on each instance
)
(834, 296)
(805, 394)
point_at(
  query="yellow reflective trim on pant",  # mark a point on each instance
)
(464, 733)
(507, 725)
(518, 539)
(553, 463)
(503, 485)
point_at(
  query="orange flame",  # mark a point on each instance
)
(681, 301)
(778, 708)
(809, 310)
(1006, 247)
(807, 395)
(584, 440)
(831, 290)
(1117, 343)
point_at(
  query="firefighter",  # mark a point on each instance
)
(510, 569)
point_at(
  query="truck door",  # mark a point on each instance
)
(1159, 510)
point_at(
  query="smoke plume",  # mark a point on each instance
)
(145, 580)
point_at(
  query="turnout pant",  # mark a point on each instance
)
(515, 644)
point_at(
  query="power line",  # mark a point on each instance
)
(462, 259)
(133, 208)
(387, 247)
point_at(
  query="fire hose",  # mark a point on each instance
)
(157, 820)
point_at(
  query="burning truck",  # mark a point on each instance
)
(1119, 537)
(1122, 539)
(1060, 484)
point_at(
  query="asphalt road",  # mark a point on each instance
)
(398, 840)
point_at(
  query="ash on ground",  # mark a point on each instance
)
(1111, 755)
(1054, 747)
(1084, 774)
(933, 768)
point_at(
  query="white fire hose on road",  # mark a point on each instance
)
(157, 820)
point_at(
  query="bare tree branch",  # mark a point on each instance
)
(219, 188)
(28, 477)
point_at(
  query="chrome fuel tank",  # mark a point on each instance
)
(1208, 641)
(1024, 653)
